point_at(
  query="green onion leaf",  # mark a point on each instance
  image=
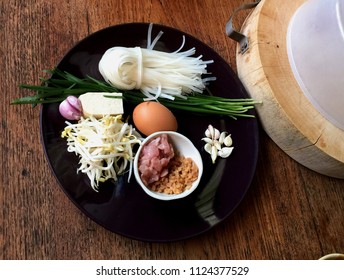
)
(62, 84)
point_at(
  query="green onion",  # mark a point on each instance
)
(62, 84)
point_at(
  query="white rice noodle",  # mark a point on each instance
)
(155, 73)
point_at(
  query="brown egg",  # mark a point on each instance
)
(151, 116)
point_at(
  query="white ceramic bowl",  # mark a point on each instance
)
(184, 147)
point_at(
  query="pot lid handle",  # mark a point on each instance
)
(235, 35)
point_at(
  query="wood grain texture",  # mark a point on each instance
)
(290, 212)
(286, 113)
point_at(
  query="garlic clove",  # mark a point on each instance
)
(215, 140)
(222, 137)
(216, 134)
(210, 131)
(207, 148)
(228, 141)
(207, 140)
(225, 152)
(217, 144)
(213, 154)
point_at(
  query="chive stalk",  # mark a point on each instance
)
(62, 84)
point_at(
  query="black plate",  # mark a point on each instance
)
(123, 207)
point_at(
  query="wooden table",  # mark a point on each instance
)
(289, 212)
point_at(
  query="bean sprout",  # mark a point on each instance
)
(104, 147)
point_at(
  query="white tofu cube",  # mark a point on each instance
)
(95, 104)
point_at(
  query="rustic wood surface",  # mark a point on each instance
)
(290, 212)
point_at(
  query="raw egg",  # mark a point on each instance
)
(151, 116)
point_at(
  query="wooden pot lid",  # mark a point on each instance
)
(286, 114)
